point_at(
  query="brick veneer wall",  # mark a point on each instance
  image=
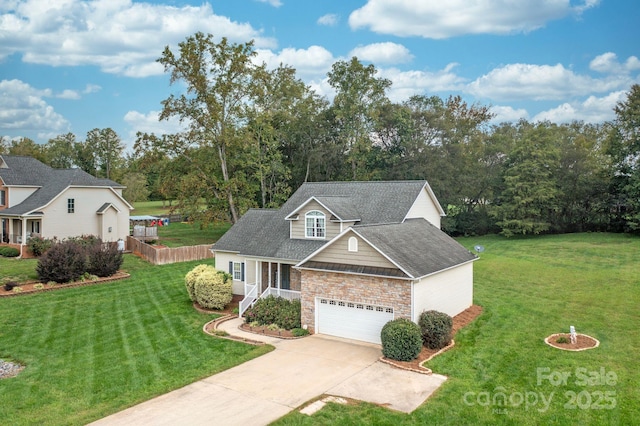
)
(377, 291)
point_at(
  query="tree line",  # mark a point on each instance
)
(253, 135)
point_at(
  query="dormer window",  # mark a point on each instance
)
(315, 224)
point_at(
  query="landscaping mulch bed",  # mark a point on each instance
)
(459, 321)
(583, 342)
(29, 287)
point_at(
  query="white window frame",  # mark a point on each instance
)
(353, 244)
(318, 227)
(71, 205)
(237, 271)
(3, 197)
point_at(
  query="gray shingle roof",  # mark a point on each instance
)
(265, 233)
(416, 246)
(27, 171)
(376, 202)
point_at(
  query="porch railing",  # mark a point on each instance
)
(250, 296)
(278, 292)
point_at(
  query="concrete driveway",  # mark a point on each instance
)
(268, 387)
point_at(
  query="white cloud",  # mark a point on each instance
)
(382, 53)
(505, 114)
(119, 36)
(592, 110)
(149, 123)
(608, 63)
(313, 61)
(329, 20)
(91, 88)
(68, 94)
(443, 19)
(409, 83)
(541, 82)
(22, 107)
(274, 3)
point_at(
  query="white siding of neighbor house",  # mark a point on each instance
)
(450, 291)
(17, 194)
(222, 264)
(298, 226)
(85, 220)
(366, 255)
(424, 206)
(109, 219)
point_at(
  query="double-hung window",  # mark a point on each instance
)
(71, 205)
(236, 269)
(315, 224)
(3, 201)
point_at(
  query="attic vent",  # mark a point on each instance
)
(353, 244)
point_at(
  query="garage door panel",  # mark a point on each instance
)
(352, 320)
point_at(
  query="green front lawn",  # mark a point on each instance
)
(96, 350)
(501, 371)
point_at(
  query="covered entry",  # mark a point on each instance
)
(351, 320)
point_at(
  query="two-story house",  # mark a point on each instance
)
(36, 199)
(357, 254)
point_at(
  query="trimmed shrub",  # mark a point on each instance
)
(299, 332)
(85, 240)
(192, 275)
(37, 246)
(401, 340)
(63, 262)
(436, 328)
(9, 252)
(275, 310)
(10, 285)
(103, 260)
(212, 289)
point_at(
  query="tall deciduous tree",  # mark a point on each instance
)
(360, 95)
(624, 149)
(531, 191)
(26, 147)
(220, 81)
(107, 150)
(60, 152)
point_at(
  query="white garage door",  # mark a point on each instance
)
(352, 320)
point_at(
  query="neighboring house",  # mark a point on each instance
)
(36, 199)
(357, 254)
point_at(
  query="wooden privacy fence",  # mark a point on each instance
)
(163, 256)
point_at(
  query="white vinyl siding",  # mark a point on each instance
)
(450, 291)
(222, 264)
(86, 220)
(424, 206)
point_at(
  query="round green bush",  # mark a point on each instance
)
(192, 275)
(401, 340)
(436, 328)
(9, 252)
(212, 289)
(275, 310)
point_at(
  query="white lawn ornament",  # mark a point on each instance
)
(574, 336)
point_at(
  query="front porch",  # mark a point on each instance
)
(264, 278)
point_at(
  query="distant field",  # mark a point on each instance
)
(153, 208)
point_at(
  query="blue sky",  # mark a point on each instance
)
(72, 65)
